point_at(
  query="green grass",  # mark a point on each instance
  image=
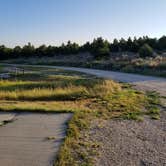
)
(1, 68)
(155, 117)
(88, 98)
(133, 116)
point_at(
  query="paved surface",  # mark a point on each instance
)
(6, 116)
(24, 141)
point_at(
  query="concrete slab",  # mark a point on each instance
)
(24, 142)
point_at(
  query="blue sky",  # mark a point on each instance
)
(56, 21)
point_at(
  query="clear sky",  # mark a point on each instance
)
(56, 21)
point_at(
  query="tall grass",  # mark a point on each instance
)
(70, 92)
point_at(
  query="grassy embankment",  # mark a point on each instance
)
(88, 98)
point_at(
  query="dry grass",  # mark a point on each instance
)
(87, 97)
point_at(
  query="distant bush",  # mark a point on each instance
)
(145, 51)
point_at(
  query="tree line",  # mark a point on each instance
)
(100, 48)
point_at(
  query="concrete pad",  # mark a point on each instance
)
(24, 142)
(6, 116)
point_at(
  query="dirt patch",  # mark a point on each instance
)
(131, 143)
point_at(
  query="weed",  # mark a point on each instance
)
(1, 123)
(155, 117)
(154, 110)
(132, 116)
(153, 97)
(51, 138)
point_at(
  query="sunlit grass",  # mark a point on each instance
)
(45, 106)
(87, 97)
(55, 87)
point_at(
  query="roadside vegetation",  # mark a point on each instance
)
(87, 97)
(142, 55)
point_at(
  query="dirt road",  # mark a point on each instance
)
(142, 82)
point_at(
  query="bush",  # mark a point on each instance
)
(145, 51)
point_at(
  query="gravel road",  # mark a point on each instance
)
(147, 83)
(24, 141)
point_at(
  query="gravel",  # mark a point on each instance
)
(131, 143)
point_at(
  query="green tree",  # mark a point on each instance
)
(86, 47)
(100, 48)
(17, 51)
(123, 44)
(135, 45)
(162, 43)
(28, 50)
(129, 44)
(115, 47)
(41, 50)
(5, 52)
(145, 51)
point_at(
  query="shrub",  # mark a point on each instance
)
(145, 51)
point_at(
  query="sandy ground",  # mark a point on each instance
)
(24, 142)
